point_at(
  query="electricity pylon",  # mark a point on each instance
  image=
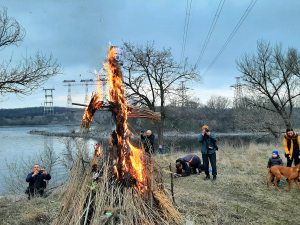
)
(48, 104)
(68, 83)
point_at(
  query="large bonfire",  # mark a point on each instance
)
(123, 185)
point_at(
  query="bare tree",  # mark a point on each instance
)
(151, 76)
(270, 79)
(218, 102)
(29, 73)
(258, 120)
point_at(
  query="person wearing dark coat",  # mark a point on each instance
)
(291, 144)
(37, 182)
(148, 141)
(188, 163)
(275, 161)
(208, 150)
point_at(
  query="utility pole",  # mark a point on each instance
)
(48, 104)
(238, 93)
(68, 83)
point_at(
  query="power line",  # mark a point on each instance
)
(252, 3)
(186, 27)
(212, 27)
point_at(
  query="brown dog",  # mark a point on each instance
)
(291, 173)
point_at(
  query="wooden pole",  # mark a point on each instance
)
(88, 207)
(172, 191)
(151, 180)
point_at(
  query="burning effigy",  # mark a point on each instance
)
(123, 185)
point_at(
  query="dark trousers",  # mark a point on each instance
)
(34, 193)
(290, 161)
(213, 161)
(199, 166)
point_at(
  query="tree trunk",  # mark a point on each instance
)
(160, 131)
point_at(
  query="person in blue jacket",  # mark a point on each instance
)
(37, 182)
(208, 150)
(188, 163)
(275, 161)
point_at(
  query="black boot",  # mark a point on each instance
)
(207, 177)
(214, 177)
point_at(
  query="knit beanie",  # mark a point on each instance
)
(275, 152)
(205, 127)
(289, 129)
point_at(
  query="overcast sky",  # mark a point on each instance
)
(78, 34)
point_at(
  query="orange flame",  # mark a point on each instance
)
(128, 163)
(98, 150)
(136, 161)
(116, 173)
(95, 103)
(116, 95)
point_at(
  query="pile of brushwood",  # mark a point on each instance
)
(93, 197)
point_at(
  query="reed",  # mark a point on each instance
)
(111, 203)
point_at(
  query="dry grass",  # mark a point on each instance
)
(38, 211)
(240, 194)
(126, 204)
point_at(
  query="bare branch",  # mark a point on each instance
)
(11, 32)
(270, 79)
(29, 74)
(152, 74)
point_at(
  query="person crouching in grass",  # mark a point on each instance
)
(275, 161)
(37, 182)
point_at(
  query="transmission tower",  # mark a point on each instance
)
(87, 83)
(182, 101)
(238, 93)
(68, 83)
(48, 104)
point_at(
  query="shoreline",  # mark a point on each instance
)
(168, 134)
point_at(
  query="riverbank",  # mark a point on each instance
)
(238, 196)
(167, 134)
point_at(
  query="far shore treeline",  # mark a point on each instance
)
(189, 118)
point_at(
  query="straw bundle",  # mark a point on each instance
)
(143, 113)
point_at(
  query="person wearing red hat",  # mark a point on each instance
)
(208, 150)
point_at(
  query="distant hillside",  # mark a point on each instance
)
(35, 116)
(30, 111)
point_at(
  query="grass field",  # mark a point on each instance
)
(238, 196)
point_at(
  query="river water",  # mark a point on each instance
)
(17, 144)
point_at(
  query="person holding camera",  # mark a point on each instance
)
(37, 182)
(148, 141)
(208, 150)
